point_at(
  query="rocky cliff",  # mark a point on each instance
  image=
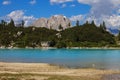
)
(53, 22)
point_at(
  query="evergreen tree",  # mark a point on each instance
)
(93, 23)
(87, 22)
(77, 23)
(119, 35)
(3, 23)
(11, 24)
(101, 26)
(104, 26)
(22, 23)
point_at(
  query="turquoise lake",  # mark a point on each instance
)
(73, 58)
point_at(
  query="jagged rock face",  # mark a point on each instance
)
(53, 22)
(42, 22)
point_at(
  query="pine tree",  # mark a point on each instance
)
(101, 26)
(3, 23)
(77, 23)
(87, 22)
(93, 23)
(11, 24)
(104, 26)
(119, 35)
(22, 23)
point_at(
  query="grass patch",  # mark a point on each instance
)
(71, 78)
(27, 76)
(21, 76)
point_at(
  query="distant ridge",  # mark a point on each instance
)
(53, 22)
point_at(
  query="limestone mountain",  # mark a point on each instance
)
(53, 22)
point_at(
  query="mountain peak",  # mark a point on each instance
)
(53, 22)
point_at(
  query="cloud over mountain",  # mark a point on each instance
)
(98, 10)
(19, 15)
(101, 10)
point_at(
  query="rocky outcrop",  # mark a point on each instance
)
(53, 22)
(42, 22)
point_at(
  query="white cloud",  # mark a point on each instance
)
(102, 7)
(19, 15)
(101, 10)
(77, 17)
(59, 1)
(104, 10)
(64, 5)
(116, 2)
(16, 15)
(29, 20)
(118, 12)
(32, 2)
(88, 1)
(113, 21)
(6, 2)
(73, 5)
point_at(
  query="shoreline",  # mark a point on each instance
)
(45, 48)
(47, 71)
(43, 67)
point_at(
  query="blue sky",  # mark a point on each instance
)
(43, 8)
(31, 10)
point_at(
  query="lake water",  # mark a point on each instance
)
(73, 58)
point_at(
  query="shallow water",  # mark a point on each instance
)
(73, 58)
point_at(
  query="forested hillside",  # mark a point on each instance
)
(86, 35)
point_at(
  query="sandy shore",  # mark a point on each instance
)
(51, 70)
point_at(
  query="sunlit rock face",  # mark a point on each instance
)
(53, 22)
(42, 22)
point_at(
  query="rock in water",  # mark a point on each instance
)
(53, 22)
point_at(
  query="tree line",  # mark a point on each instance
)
(86, 35)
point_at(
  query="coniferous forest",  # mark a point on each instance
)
(86, 35)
